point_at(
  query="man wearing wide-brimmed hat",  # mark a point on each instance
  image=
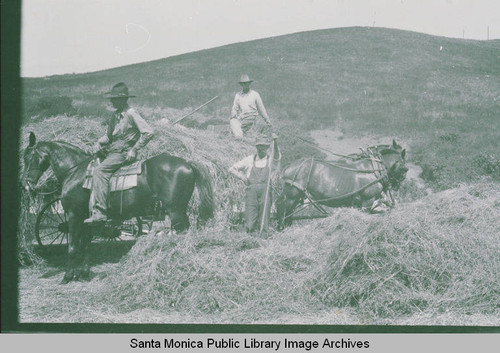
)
(254, 171)
(247, 106)
(127, 133)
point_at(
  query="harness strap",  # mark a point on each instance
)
(121, 197)
(376, 162)
(353, 192)
(367, 171)
(384, 174)
(334, 198)
(380, 172)
(315, 203)
(297, 172)
(309, 174)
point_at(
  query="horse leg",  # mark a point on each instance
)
(291, 198)
(80, 265)
(374, 206)
(175, 200)
(85, 247)
(380, 205)
(291, 205)
(73, 245)
(372, 199)
(179, 221)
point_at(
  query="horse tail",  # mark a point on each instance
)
(204, 183)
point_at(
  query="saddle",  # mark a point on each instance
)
(123, 179)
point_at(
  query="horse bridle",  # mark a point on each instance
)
(26, 176)
(29, 182)
(383, 178)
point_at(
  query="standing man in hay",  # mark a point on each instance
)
(254, 171)
(127, 133)
(247, 106)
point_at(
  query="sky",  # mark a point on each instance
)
(76, 36)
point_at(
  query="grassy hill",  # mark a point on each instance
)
(439, 96)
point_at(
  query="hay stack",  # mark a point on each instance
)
(441, 253)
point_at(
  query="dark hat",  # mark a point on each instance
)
(120, 90)
(244, 78)
(262, 141)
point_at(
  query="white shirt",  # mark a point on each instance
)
(247, 106)
(246, 164)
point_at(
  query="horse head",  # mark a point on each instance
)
(394, 160)
(36, 162)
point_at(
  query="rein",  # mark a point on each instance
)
(337, 197)
(368, 171)
(382, 176)
(324, 149)
(63, 173)
(48, 192)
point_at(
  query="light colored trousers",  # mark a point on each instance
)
(101, 177)
(238, 129)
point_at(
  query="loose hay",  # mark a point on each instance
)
(211, 272)
(434, 261)
(441, 253)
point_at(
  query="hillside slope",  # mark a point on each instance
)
(439, 95)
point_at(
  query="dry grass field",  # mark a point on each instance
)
(433, 260)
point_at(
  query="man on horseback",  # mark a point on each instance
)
(127, 132)
(247, 106)
(254, 171)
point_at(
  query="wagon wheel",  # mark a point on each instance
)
(131, 227)
(51, 225)
(147, 225)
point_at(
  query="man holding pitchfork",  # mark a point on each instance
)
(256, 171)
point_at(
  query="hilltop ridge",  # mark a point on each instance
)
(438, 95)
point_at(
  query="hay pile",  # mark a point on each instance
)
(434, 256)
(439, 254)
(235, 277)
(29, 208)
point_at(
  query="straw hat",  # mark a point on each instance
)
(262, 141)
(244, 79)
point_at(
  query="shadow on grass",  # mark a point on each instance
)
(100, 252)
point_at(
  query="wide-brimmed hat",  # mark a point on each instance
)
(244, 78)
(262, 141)
(120, 90)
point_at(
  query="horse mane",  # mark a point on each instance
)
(68, 146)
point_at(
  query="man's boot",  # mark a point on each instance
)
(97, 217)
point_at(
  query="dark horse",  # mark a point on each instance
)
(359, 181)
(164, 178)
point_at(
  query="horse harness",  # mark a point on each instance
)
(35, 151)
(379, 170)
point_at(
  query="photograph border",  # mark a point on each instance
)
(10, 124)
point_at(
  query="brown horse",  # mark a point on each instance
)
(164, 178)
(359, 181)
